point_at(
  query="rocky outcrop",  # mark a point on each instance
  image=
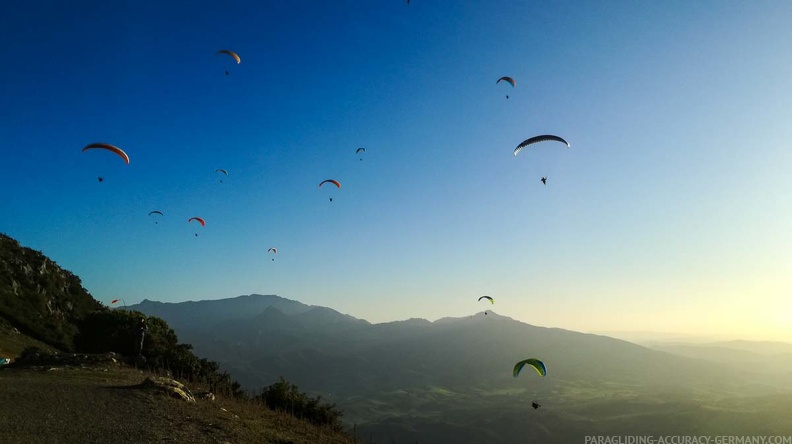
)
(40, 298)
(170, 387)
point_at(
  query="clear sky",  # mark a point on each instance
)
(671, 211)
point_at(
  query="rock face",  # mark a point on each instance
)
(40, 298)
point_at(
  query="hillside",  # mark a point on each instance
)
(39, 298)
(93, 392)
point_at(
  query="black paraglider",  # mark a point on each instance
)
(101, 179)
(535, 405)
(544, 180)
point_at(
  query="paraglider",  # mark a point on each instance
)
(535, 405)
(232, 54)
(115, 301)
(199, 220)
(334, 182)
(544, 180)
(508, 80)
(156, 212)
(220, 170)
(108, 147)
(273, 250)
(492, 301)
(360, 150)
(537, 365)
(536, 139)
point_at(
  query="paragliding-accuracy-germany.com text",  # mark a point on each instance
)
(688, 439)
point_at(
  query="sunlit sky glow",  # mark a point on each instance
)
(670, 212)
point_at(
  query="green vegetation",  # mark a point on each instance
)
(284, 396)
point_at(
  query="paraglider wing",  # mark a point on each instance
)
(156, 212)
(542, 138)
(507, 79)
(107, 146)
(487, 297)
(360, 150)
(232, 54)
(334, 182)
(535, 363)
(272, 250)
(220, 170)
(199, 220)
(113, 301)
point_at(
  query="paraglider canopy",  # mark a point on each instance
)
(507, 79)
(536, 139)
(334, 182)
(197, 219)
(108, 147)
(487, 297)
(537, 365)
(232, 54)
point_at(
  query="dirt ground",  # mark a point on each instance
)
(45, 405)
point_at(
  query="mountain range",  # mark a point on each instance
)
(451, 380)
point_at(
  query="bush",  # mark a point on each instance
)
(285, 396)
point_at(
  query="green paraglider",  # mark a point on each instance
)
(537, 365)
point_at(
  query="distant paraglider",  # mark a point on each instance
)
(507, 80)
(108, 147)
(334, 182)
(273, 250)
(360, 150)
(544, 180)
(220, 170)
(232, 54)
(492, 301)
(199, 220)
(156, 212)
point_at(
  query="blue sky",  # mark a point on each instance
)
(670, 212)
